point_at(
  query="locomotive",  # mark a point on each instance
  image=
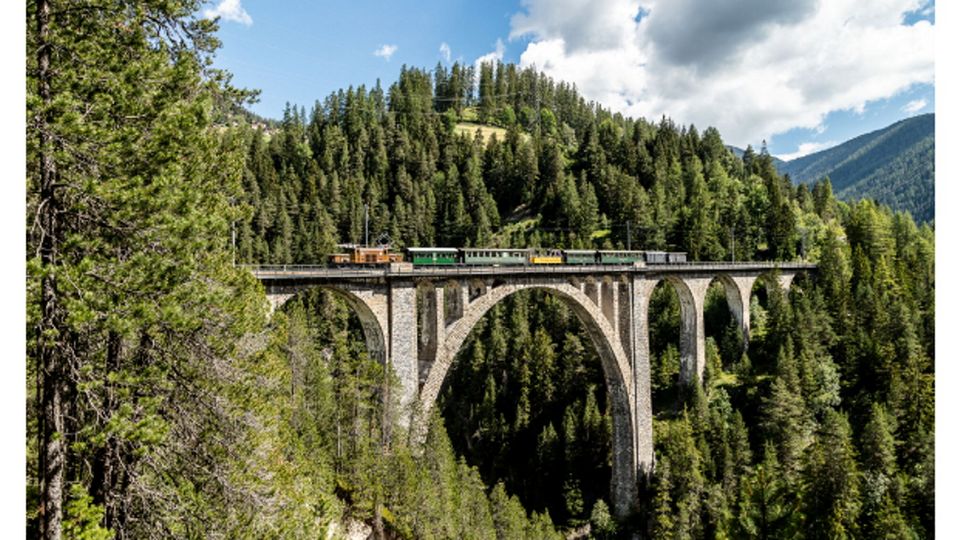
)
(445, 256)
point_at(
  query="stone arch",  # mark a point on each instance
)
(616, 368)
(691, 292)
(777, 278)
(737, 289)
(369, 305)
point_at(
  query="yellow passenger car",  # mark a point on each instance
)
(553, 256)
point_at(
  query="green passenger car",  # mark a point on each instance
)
(432, 256)
(620, 257)
(495, 257)
(580, 256)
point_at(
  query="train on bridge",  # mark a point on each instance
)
(355, 255)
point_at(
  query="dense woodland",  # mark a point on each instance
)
(163, 402)
(893, 165)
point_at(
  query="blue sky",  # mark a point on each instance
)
(801, 74)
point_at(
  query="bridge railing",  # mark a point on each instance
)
(307, 270)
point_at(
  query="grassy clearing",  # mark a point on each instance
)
(725, 378)
(470, 114)
(470, 128)
(508, 230)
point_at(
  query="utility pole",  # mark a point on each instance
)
(366, 225)
(803, 244)
(628, 236)
(733, 251)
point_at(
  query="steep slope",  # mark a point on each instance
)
(893, 165)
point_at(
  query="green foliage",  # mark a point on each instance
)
(526, 400)
(602, 525)
(832, 501)
(543, 408)
(141, 322)
(767, 506)
(82, 518)
(893, 165)
(190, 415)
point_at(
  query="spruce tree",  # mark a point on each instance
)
(832, 496)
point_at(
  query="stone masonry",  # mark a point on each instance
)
(416, 320)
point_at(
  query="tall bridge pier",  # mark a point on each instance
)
(612, 302)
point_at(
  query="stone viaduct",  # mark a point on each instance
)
(416, 319)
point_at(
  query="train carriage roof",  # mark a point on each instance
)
(580, 251)
(432, 249)
(497, 249)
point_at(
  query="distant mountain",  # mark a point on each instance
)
(893, 165)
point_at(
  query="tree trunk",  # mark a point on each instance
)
(50, 357)
(106, 467)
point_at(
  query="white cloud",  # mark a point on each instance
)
(914, 106)
(229, 10)
(583, 25)
(445, 52)
(495, 56)
(752, 68)
(385, 51)
(807, 148)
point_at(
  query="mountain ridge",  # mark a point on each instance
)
(894, 165)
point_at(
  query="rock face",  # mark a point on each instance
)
(351, 530)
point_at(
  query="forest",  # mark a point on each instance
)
(162, 401)
(894, 166)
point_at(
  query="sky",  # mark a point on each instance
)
(802, 75)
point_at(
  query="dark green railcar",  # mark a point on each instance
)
(432, 256)
(580, 256)
(494, 257)
(620, 257)
(656, 257)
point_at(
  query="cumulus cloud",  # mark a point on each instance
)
(752, 68)
(583, 25)
(445, 52)
(704, 34)
(914, 106)
(385, 51)
(229, 10)
(807, 148)
(495, 56)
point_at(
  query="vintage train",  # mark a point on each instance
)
(443, 256)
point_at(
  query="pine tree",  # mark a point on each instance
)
(767, 505)
(785, 418)
(832, 499)
(132, 287)
(882, 486)
(663, 512)
(602, 525)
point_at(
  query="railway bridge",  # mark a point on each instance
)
(415, 319)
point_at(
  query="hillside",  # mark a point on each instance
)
(525, 414)
(893, 165)
(164, 400)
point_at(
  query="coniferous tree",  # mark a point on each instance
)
(832, 499)
(130, 288)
